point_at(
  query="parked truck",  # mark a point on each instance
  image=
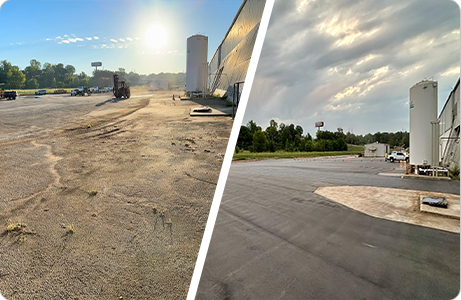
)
(11, 95)
(81, 90)
(399, 156)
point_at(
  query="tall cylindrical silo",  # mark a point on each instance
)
(197, 66)
(423, 111)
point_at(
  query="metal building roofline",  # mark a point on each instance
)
(232, 24)
(446, 102)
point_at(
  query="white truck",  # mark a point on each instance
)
(399, 156)
(81, 90)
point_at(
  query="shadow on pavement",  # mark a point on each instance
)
(113, 100)
(204, 101)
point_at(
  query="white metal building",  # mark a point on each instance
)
(375, 150)
(449, 130)
(232, 58)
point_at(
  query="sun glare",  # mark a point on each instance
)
(156, 37)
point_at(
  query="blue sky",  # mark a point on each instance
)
(113, 32)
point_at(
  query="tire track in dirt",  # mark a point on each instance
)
(99, 121)
(52, 160)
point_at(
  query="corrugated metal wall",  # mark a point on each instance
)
(230, 61)
(450, 130)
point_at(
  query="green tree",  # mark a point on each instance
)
(15, 78)
(33, 71)
(60, 74)
(70, 70)
(133, 78)
(259, 141)
(32, 84)
(47, 79)
(102, 78)
(245, 139)
(69, 80)
(253, 127)
(5, 66)
(272, 132)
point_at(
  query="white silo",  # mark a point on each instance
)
(197, 66)
(423, 111)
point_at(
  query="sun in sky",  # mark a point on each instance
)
(156, 37)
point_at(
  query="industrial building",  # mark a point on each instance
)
(375, 150)
(434, 141)
(449, 130)
(230, 62)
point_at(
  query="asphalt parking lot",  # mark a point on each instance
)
(275, 238)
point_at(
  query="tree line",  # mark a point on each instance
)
(59, 75)
(290, 138)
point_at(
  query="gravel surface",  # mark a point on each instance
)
(114, 194)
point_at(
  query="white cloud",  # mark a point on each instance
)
(451, 71)
(352, 62)
(121, 40)
(88, 38)
(1, 2)
(129, 39)
(96, 38)
(367, 58)
(79, 39)
(113, 40)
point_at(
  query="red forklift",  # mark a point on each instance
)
(121, 89)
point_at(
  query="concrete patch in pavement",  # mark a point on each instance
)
(215, 111)
(451, 211)
(414, 176)
(390, 174)
(394, 204)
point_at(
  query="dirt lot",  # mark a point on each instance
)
(111, 206)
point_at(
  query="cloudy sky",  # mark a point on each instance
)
(145, 36)
(351, 63)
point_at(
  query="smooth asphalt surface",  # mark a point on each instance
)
(276, 239)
